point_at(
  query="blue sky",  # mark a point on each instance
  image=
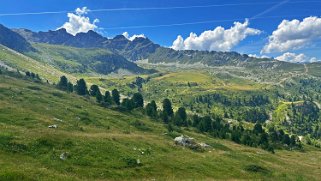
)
(203, 15)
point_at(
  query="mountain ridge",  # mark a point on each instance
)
(144, 49)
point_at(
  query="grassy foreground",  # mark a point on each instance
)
(102, 144)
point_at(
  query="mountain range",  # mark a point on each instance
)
(119, 52)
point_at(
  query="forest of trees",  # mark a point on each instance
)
(212, 125)
(267, 138)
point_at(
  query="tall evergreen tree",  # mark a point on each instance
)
(127, 104)
(107, 98)
(258, 128)
(99, 97)
(138, 100)
(116, 96)
(63, 83)
(94, 90)
(81, 87)
(180, 118)
(151, 109)
(167, 107)
(70, 87)
(33, 75)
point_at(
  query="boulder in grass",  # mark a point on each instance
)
(190, 143)
(184, 141)
(63, 156)
(53, 126)
(204, 145)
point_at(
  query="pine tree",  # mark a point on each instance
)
(94, 90)
(81, 87)
(99, 97)
(180, 118)
(167, 107)
(258, 128)
(138, 100)
(127, 104)
(151, 109)
(107, 98)
(37, 76)
(63, 83)
(70, 87)
(33, 75)
(116, 96)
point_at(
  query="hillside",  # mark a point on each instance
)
(24, 63)
(101, 143)
(13, 40)
(84, 61)
(132, 50)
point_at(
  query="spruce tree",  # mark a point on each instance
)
(167, 107)
(180, 117)
(81, 87)
(116, 96)
(94, 90)
(107, 98)
(63, 83)
(70, 87)
(138, 100)
(151, 109)
(127, 104)
(99, 97)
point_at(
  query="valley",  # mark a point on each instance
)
(60, 117)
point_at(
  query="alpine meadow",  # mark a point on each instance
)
(160, 90)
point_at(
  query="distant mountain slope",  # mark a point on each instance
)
(21, 62)
(13, 40)
(133, 50)
(84, 60)
(143, 48)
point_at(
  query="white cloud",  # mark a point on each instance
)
(131, 38)
(293, 34)
(82, 11)
(296, 58)
(78, 23)
(219, 39)
(258, 56)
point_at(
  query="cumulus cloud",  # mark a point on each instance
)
(258, 56)
(296, 58)
(219, 39)
(131, 38)
(82, 11)
(293, 34)
(79, 23)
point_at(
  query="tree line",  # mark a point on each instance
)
(212, 125)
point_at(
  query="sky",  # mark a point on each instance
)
(289, 30)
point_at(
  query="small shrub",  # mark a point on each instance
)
(256, 169)
(140, 125)
(132, 162)
(34, 88)
(58, 94)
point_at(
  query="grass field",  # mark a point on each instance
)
(24, 63)
(103, 144)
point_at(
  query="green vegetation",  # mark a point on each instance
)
(83, 61)
(259, 117)
(93, 142)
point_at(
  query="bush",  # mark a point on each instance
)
(132, 162)
(141, 126)
(256, 169)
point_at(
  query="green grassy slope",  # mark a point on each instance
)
(85, 60)
(104, 144)
(23, 63)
